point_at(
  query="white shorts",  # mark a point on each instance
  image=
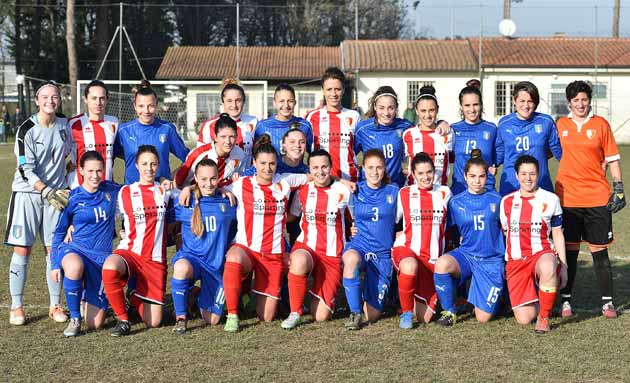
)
(27, 217)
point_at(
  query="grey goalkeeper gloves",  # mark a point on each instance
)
(617, 200)
(57, 198)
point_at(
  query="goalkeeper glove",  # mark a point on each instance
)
(57, 198)
(617, 200)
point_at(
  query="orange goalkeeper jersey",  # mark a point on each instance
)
(581, 181)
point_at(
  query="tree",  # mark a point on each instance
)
(73, 70)
(615, 32)
(507, 7)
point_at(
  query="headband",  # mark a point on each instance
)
(426, 95)
(47, 83)
(386, 94)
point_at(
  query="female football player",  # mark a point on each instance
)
(39, 193)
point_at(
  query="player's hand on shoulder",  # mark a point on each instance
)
(184, 196)
(230, 196)
(443, 128)
(167, 184)
(352, 186)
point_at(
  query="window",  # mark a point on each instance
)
(208, 104)
(413, 89)
(270, 108)
(558, 104)
(306, 101)
(503, 98)
(600, 90)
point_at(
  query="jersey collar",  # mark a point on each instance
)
(581, 124)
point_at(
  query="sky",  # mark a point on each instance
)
(441, 18)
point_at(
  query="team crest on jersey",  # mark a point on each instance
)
(62, 133)
(486, 135)
(390, 199)
(493, 207)
(417, 140)
(589, 133)
(538, 128)
(88, 129)
(544, 207)
(162, 138)
(17, 231)
(399, 133)
(349, 121)
(108, 197)
(324, 118)
(222, 207)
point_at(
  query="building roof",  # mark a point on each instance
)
(558, 52)
(269, 63)
(408, 55)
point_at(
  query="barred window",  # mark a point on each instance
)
(558, 103)
(503, 98)
(413, 89)
(306, 101)
(208, 104)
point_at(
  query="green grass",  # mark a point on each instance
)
(586, 348)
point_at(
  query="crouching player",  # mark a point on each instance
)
(208, 225)
(91, 211)
(479, 257)
(142, 253)
(374, 212)
(528, 217)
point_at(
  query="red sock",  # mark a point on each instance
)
(297, 291)
(406, 288)
(546, 299)
(232, 285)
(113, 287)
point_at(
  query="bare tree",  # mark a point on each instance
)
(73, 67)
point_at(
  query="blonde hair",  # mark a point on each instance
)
(196, 223)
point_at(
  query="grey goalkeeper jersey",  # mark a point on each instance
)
(41, 154)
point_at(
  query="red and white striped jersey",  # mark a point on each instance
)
(439, 148)
(244, 134)
(322, 223)
(92, 135)
(527, 222)
(424, 220)
(144, 210)
(334, 132)
(261, 212)
(233, 163)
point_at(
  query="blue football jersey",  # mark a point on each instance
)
(370, 135)
(536, 137)
(161, 134)
(374, 213)
(282, 168)
(275, 129)
(466, 137)
(477, 218)
(93, 216)
(219, 221)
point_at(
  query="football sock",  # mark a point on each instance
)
(54, 288)
(297, 291)
(546, 299)
(17, 279)
(565, 293)
(179, 291)
(352, 286)
(406, 288)
(232, 285)
(445, 288)
(73, 289)
(113, 287)
(603, 272)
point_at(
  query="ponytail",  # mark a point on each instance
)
(196, 223)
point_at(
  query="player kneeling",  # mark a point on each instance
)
(91, 211)
(208, 225)
(529, 217)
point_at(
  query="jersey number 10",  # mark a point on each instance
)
(211, 223)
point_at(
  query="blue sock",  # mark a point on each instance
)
(74, 291)
(17, 279)
(445, 288)
(352, 286)
(54, 288)
(179, 290)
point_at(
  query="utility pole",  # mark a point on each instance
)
(615, 31)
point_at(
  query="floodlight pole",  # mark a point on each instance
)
(238, 42)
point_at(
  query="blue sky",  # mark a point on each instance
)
(436, 18)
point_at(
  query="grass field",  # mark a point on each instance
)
(586, 348)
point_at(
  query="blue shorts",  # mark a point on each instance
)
(487, 279)
(93, 291)
(378, 275)
(211, 298)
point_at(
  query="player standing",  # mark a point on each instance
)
(425, 137)
(423, 208)
(586, 198)
(93, 130)
(207, 228)
(142, 253)
(472, 132)
(276, 126)
(526, 132)
(38, 194)
(334, 126)
(230, 159)
(479, 257)
(92, 213)
(369, 250)
(147, 129)
(530, 216)
(383, 130)
(322, 204)
(233, 99)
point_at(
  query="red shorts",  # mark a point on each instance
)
(150, 276)
(268, 269)
(425, 286)
(327, 276)
(522, 281)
